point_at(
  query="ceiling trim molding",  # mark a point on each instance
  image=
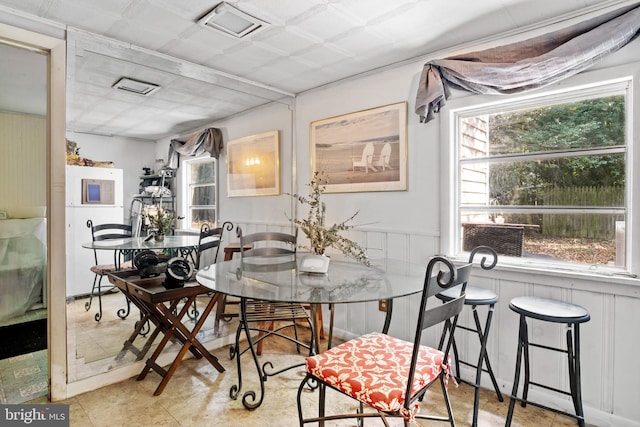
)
(530, 31)
(32, 23)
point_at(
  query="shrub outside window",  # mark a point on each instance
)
(545, 180)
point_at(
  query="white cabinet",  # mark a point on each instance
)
(79, 278)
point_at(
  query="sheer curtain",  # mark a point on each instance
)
(529, 64)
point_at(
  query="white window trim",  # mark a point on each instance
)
(449, 232)
(184, 186)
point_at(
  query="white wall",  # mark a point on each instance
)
(130, 155)
(406, 211)
(406, 225)
(256, 210)
(23, 165)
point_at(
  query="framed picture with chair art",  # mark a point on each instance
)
(362, 151)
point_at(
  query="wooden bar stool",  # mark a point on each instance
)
(549, 310)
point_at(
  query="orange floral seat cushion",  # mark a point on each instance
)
(374, 368)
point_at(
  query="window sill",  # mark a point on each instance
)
(616, 280)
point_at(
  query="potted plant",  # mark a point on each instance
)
(161, 221)
(322, 236)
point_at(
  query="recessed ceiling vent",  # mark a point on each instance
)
(231, 21)
(135, 86)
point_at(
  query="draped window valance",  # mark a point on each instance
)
(526, 65)
(209, 140)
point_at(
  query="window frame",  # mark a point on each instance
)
(595, 83)
(186, 187)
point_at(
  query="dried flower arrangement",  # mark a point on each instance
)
(319, 234)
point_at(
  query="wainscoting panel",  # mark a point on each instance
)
(626, 350)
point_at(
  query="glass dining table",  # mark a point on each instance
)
(346, 281)
(127, 247)
(181, 245)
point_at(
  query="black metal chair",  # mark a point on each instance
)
(254, 248)
(385, 373)
(475, 297)
(210, 240)
(106, 232)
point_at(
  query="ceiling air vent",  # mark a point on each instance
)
(135, 86)
(232, 21)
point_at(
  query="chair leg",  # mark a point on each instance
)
(261, 334)
(320, 322)
(516, 378)
(98, 315)
(87, 305)
(124, 313)
(219, 313)
(447, 402)
(193, 314)
(322, 395)
(573, 353)
(486, 356)
(483, 358)
(527, 372)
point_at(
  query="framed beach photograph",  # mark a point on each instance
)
(362, 151)
(253, 165)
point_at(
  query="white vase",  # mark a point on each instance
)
(314, 263)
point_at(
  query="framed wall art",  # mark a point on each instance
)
(253, 165)
(362, 151)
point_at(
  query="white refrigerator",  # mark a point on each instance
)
(94, 194)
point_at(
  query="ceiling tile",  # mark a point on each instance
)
(308, 43)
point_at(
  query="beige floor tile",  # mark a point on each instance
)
(198, 395)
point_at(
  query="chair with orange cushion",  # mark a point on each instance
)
(388, 374)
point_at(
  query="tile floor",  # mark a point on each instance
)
(24, 377)
(198, 395)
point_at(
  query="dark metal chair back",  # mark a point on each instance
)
(267, 244)
(441, 274)
(211, 238)
(135, 217)
(483, 262)
(109, 231)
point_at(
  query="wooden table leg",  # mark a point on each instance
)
(189, 340)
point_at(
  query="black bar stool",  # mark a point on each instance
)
(549, 310)
(474, 297)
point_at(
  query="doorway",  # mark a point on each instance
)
(23, 225)
(32, 123)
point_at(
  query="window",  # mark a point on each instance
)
(201, 191)
(544, 180)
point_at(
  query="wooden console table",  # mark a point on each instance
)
(160, 305)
